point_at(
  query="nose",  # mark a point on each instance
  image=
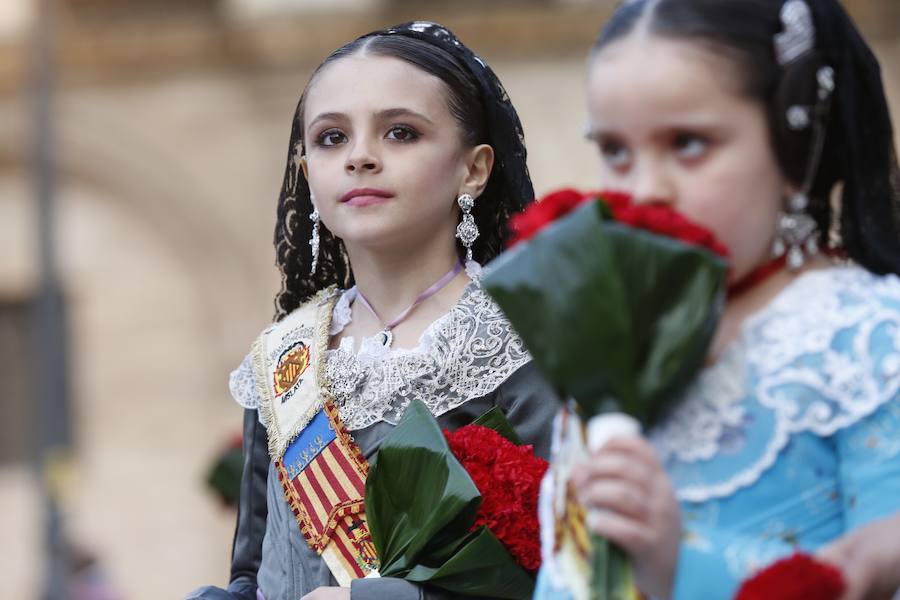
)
(362, 158)
(651, 184)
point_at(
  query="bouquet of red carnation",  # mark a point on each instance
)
(456, 510)
(798, 577)
(508, 477)
(617, 303)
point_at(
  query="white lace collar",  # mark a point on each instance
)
(463, 355)
(822, 355)
(371, 350)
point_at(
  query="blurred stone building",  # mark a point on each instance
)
(172, 126)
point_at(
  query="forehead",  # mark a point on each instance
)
(653, 76)
(365, 84)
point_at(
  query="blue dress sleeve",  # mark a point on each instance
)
(713, 562)
(870, 466)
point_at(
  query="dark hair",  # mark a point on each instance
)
(466, 100)
(858, 147)
(462, 90)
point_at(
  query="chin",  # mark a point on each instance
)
(373, 235)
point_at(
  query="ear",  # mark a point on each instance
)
(304, 166)
(479, 162)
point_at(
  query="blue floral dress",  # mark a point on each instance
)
(791, 438)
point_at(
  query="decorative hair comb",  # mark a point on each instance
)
(798, 35)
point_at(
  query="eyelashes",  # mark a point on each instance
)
(690, 146)
(334, 136)
(614, 153)
(687, 147)
(403, 134)
(330, 137)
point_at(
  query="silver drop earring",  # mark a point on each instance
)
(796, 233)
(467, 230)
(314, 238)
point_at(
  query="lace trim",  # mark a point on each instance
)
(371, 350)
(822, 356)
(242, 384)
(464, 355)
(342, 315)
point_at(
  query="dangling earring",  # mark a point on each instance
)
(796, 233)
(314, 238)
(467, 230)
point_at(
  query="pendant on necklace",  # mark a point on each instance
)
(386, 338)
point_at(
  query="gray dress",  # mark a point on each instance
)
(470, 351)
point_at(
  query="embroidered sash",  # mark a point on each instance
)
(321, 469)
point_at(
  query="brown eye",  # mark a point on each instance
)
(331, 137)
(402, 133)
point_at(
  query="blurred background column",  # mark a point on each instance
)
(49, 364)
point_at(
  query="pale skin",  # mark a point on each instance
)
(869, 558)
(379, 122)
(673, 127)
(389, 126)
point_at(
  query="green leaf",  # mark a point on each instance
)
(421, 505)
(611, 574)
(496, 420)
(420, 502)
(482, 567)
(618, 318)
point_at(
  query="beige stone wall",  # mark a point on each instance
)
(167, 195)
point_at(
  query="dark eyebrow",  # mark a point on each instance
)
(389, 113)
(325, 116)
(594, 133)
(392, 113)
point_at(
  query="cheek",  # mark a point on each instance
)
(610, 179)
(431, 180)
(321, 168)
(740, 207)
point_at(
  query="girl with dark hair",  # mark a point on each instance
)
(766, 121)
(405, 160)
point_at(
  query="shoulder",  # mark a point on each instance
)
(477, 332)
(477, 308)
(834, 297)
(821, 358)
(309, 314)
(844, 313)
(286, 333)
(827, 351)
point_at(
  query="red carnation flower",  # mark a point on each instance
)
(661, 219)
(799, 576)
(508, 477)
(656, 218)
(539, 214)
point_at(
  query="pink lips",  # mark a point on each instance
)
(365, 197)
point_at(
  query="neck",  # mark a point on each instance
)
(768, 287)
(752, 299)
(392, 281)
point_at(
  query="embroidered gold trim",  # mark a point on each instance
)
(344, 436)
(267, 404)
(278, 443)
